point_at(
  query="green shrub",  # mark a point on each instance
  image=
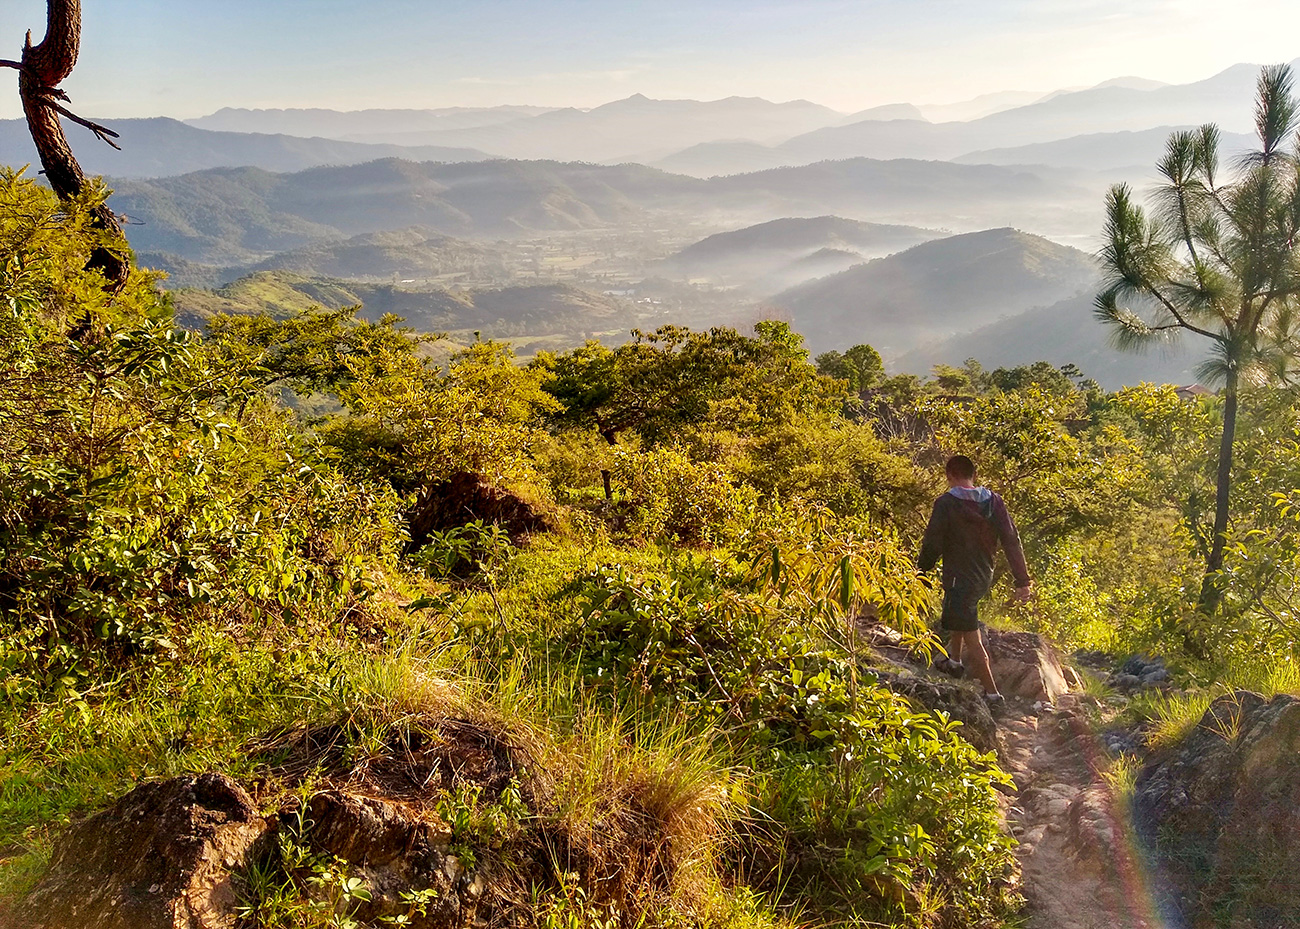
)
(462, 551)
(572, 460)
(673, 497)
(841, 465)
(899, 827)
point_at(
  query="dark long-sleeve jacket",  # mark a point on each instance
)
(965, 533)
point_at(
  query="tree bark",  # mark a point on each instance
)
(610, 436)
(44, 67)
(1211, 593)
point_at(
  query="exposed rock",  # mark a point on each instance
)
(466, 497)
(1125, 683)
(1025, 665)
(959, 701)
(1073, 679)
(1124, 741)
(1140, 672)
(1141, 665)
(1220, 815)
(1075, 865)
(1093, 828)
(177, 854)
(159, 858)
(392, 850)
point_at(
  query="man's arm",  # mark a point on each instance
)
(1010, 538)
(932, 542)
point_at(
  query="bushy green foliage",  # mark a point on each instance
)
(414, 425)
(872, 811)
(673, 378)
(902, 828)
(131, 501)
(462, 551)
(860, 367)
(672, 497)
(572, 461)
(1063, 480)
(862, 788)
(843, 466)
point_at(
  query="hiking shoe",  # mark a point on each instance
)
(949, 667)
(995, 702)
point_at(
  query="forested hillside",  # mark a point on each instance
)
(525, 310)
(760, 256)
(953, 284)
(224, 215)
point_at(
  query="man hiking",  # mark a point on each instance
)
(966, 525)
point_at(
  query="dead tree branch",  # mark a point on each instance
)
(42, 69)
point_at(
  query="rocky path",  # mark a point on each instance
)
(1078, 864)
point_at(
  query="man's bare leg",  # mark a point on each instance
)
(972, 647)
(954, 646)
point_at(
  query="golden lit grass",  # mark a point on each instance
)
(638, 809)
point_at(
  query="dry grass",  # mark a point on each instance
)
(1172, 716)
(634, 813)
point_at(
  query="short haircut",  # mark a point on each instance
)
(960, 467)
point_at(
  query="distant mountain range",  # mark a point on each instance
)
(937, 289)
(1225, 98)
(1102, 151)
(698, 138)
(159, 147)
(376, 126)
(636, 129)
(239, 216)
(778, 254)
(391, 256)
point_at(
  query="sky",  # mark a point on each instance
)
(186, 58)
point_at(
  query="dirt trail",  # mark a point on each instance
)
(1079, 867)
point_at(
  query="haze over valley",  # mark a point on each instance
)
(933, 232)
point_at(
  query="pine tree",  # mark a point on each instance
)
(1214, 258)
